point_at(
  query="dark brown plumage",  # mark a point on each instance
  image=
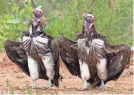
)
(117, 56)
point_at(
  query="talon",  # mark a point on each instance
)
(47, 87)
(101, 87)
(34, 87)
(49, 84)
(84, 89)
(44, 88)
(54, 87)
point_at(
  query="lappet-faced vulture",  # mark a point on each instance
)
(91, 57)
(37, 55)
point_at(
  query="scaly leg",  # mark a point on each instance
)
(33, 69)
(85, 74)
(49, 84)
(102, 85)
(85, 86)
(49, 65)
(34, 84)
(102, 71)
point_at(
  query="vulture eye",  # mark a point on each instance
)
(90, 16)
(39, 11)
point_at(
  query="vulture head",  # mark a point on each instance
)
(37, 14)
(89, 20)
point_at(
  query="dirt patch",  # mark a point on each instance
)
(13, 80)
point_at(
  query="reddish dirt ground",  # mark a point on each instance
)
(13, 80)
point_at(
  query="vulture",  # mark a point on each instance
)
(38, 54)
(91, 57)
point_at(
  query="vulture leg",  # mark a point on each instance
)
(34, 70)
(85, 87)
(49, 65)
(102, 71)
(85, 74)
(34, 84)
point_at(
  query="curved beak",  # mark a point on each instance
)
(84, 14)
(85, 17)
(88, 17)
(33, 11)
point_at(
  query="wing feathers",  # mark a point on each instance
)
(15, 56)
(69, 55)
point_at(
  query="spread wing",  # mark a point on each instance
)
(69, 55)
(118, 57)
(17, 55)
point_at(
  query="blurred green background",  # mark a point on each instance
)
(113, 18)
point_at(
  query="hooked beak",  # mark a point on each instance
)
(33, 11)
(85, 17)
(88, 17)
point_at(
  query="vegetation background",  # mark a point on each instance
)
(113, 18)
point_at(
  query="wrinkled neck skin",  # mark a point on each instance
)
(88, 26)
(36, 20)
(88, 29)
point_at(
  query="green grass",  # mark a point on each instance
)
(64, 17)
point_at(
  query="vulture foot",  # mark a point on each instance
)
(34, 84)
(54, 87)
(85, 86)
(50, 87)
(84, 89)
(102, 86)
(34, 87)
(49, 84)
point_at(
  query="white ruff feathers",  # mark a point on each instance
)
(98, 43)
(25, 38)
(38, 39)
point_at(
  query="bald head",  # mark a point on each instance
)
(38, 12)
(88, 17)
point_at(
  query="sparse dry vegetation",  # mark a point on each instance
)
(14, 81)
